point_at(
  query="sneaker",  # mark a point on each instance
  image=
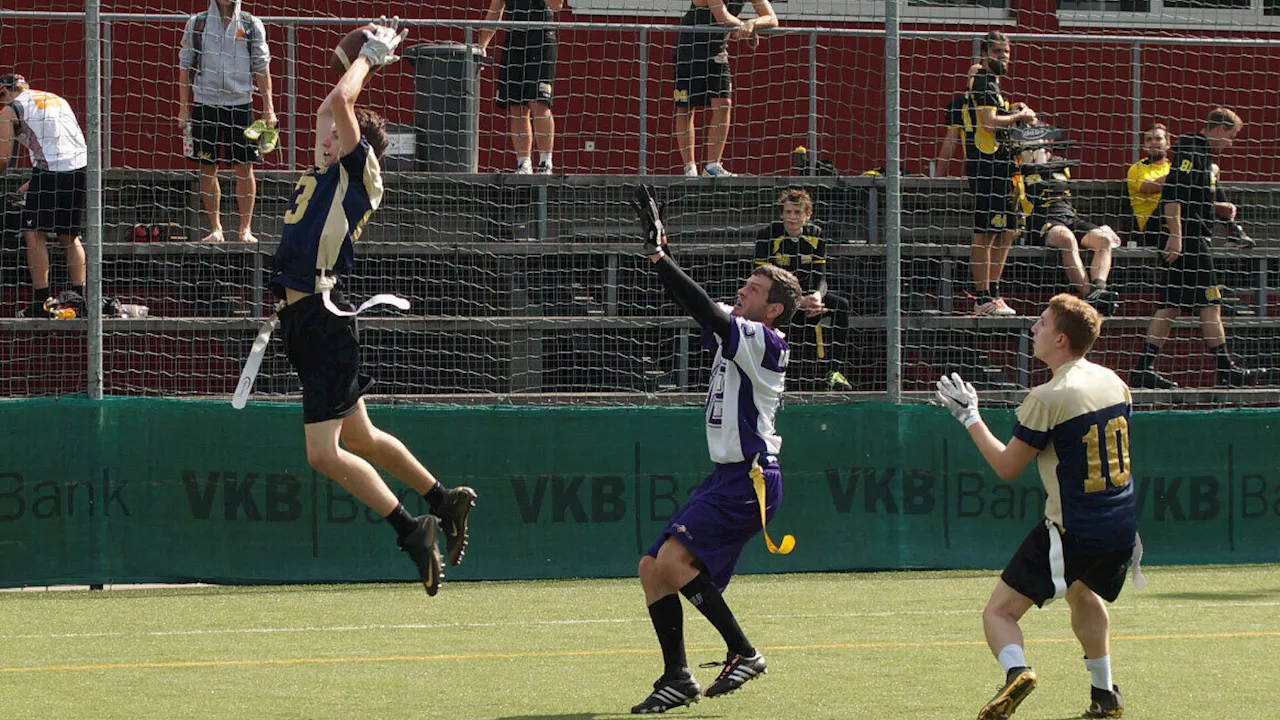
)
(837, 381)
(1105, 704)
(452, 513)
(737, 671)
(35, 312)
(1104, 301)
(544, 168)
(421, 546)
(1236, 376)
(1150, 380)
(1003, 309)
(1238, 238)
(715, 170)
(670, 693)
(523, 169)
(1018, 685)
(691, 171)
(993, 308)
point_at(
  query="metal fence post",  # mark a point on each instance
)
(893, 206)
(93, 221)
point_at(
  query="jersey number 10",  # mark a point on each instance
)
(1114, 441)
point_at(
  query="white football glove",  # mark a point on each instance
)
(382, 41)
(959, 397)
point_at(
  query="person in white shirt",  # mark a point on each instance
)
(698, 550)
(55, 196)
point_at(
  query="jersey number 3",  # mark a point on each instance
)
(1114, 442)
(308, 186)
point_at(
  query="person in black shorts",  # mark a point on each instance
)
(525, 79)
(795, 244)
(1189, 280)
(990, 169)
(1076, 428)
(702, 74)
(55, 198)
(1053, 223)
(317, 247)
(223, 60)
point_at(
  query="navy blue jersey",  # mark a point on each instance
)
(1079, 421)
(326, 214)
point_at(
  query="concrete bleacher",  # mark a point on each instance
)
(533, 285)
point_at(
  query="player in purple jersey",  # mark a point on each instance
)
(698, 549)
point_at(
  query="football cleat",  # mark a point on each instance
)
(670, 693)
(1150, 380)
(421, 546)
(1236, 376)
(453, 513)
(1104, 301)
(837, 381)
(738, 670)
(1105, 704)
(1018, 685)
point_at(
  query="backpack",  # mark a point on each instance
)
(197, 37)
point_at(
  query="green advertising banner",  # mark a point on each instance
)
(150, 490)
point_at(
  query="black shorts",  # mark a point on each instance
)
(701, 75)
(217, 132)
(1030, 573)
(56, 202)
(1191, 282)
(325, 351)
(993, 210)
(1154, 236)
(1042, 220)
(528, 68)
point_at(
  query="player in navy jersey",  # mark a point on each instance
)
(330, 205)
(1076, 426)
(698, 549)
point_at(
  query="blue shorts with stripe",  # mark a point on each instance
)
(723, 515)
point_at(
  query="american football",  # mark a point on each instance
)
(349, 49)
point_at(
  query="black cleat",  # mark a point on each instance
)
(1150, 380)
(1019, 682)
(1105, 704)
(453, 512)
(421, 546)
(1236, 376)
(670, 693)
(1104, 301)
(737, 671)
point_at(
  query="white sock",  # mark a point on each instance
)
(545, 158)
(691, 168)
(1011, 656)
(1100, 669)
(524, 161)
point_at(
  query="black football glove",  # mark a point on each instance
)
(650, 214)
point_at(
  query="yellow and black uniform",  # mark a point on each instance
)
(953, 113)
(805, 255)
(1148, 216)
(1049, 195)
(989, 159)
(528, 57)
(1191, 281)
(702, 58)
(1079, 421)
(326, 215)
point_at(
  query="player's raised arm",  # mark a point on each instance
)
(959, 397)
(338, 111)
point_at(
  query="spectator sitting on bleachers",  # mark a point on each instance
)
(796, 244)
(1144, 182)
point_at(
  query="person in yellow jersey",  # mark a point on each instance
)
(1145, 182)
(1076, 428)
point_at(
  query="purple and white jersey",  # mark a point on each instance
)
(746, 388)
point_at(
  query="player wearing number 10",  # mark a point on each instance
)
(1077, 428)
(330, 205)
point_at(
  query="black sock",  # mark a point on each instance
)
(401, 521)
(703, 594)
(38, 296)
(995, 290)
(668, 622)
(79, 290)
(1148, 360)
(435, 495)
(1099, 284)
(982, 295)
(1222, 357)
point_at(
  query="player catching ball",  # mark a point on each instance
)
(330, 205)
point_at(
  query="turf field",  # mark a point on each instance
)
(1200, 642)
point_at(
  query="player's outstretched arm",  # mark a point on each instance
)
(339, 107)
(959, 397)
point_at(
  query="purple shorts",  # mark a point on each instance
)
(722, 516)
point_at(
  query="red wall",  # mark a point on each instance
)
(1086, 87)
